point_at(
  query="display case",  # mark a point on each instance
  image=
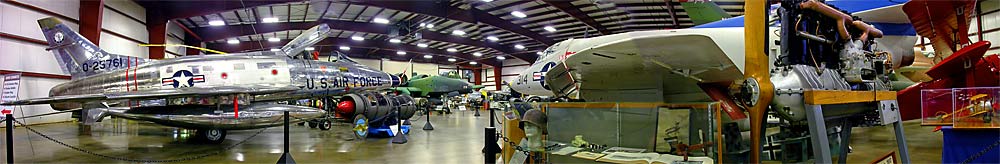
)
(977, 107)
(934, 104)
(655, 128)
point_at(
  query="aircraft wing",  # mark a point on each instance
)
(649, 66)
(942, 22)
(157, 93)
(409, 90)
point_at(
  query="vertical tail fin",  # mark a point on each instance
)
(79, 57)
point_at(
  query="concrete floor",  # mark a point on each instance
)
(457, 138)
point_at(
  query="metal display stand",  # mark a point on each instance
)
(817, 122)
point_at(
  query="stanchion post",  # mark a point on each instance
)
(400, 137)
(492, 117)
(491, 139)
(427, 125)
(286, 157)
(10, 138)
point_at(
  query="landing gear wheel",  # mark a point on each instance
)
(325, 124)
(214, 136)
(360, 127)
(312, 124)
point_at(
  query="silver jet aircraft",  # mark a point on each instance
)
(210, 93)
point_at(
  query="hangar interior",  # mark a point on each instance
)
(500, 81)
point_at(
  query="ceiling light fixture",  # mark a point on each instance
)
(539, 52)
(216, 23)
(473, 63)
(428, 56)
(452, 50)
(358, 38)
(422, 45)
(550, 29)
(452, 59)
(275, 50)
(477, 54)
(501, 57)
(395, 41)
(400, 53)
(519, 46)
(458, 32)
(310, 48)
(345, 48)
(492, 38)
(430, 25)
(273, 39)
(233, 41)
(518, 14)
(381, 20)
(270, 20)
(487, 0)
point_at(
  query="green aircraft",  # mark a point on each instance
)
(436, 86)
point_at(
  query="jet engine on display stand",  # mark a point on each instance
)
(374, 113)
(830, 75)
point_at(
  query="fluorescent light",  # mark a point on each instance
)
(477, 54)
(275, 49)
(358, 38)
(381, 20)
(310, 48)
(428, 56)
(216, 23)
(422, 45)
(539, 52)
(473, 63)
(233, 41)
(518, 14)
(400, 53)
(345, 48)
(458, 32)
(452, 59)
(429, 25)
(518, 46)
(270, 20)
(501, 57)
(423, 24)
(550, 29)
(395, 41)
(273, 39)
(487, 0)
(492, 38)
(452, 50)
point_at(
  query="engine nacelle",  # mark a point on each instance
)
(375, 105)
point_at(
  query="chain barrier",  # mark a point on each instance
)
(523, 150)
(140, 160)
(981, 153)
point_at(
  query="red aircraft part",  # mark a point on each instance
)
(345, 107)
(959, 62)
(909, 98)
(937, 20)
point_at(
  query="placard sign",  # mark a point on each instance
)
(11, 83)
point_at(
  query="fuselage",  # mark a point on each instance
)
(217, 72)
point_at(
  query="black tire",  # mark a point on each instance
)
(325, 124)
(213, 136)
(360, 129)
(313, 124)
